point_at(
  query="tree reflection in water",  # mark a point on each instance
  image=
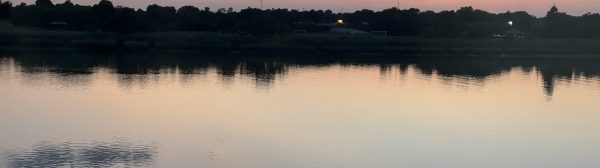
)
(137, 69)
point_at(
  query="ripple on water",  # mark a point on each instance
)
(83, 155)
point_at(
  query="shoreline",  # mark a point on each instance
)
(35, 40)
(402, 53)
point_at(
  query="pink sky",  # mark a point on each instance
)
(536, 7)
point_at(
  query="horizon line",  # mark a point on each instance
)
(315, 9)
(256, 5)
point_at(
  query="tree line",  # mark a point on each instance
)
(465, 22)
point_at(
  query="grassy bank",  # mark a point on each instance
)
(27, 39)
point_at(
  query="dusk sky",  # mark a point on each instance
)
(536, 7)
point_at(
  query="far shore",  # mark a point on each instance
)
(40, 40)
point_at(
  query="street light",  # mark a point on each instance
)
(510, 23)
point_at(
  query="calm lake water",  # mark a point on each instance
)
(285, 112)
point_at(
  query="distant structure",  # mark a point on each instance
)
(339, 27)
(349, 31)
(515, 33)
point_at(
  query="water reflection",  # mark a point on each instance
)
(317, 112)
(83, 155)
(139, 69)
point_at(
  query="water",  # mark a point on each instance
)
(180, 111)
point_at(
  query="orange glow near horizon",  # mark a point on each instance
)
(535, 7)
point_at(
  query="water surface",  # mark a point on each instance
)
(230, 111)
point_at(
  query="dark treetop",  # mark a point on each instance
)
(465, 22)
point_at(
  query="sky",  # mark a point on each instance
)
(535, 7)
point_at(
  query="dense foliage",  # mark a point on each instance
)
(5, 8)
(465, 22)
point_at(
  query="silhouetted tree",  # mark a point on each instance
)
(44, 3)
(104, 12)
(558, 24)
(125, 20)
(588, 26)
(466, 22)
(225, 20)
(24, 15)
(553, 11)
(161, 18)
(259, 22)
(68, 3)
(5, 9)
(187, 18)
